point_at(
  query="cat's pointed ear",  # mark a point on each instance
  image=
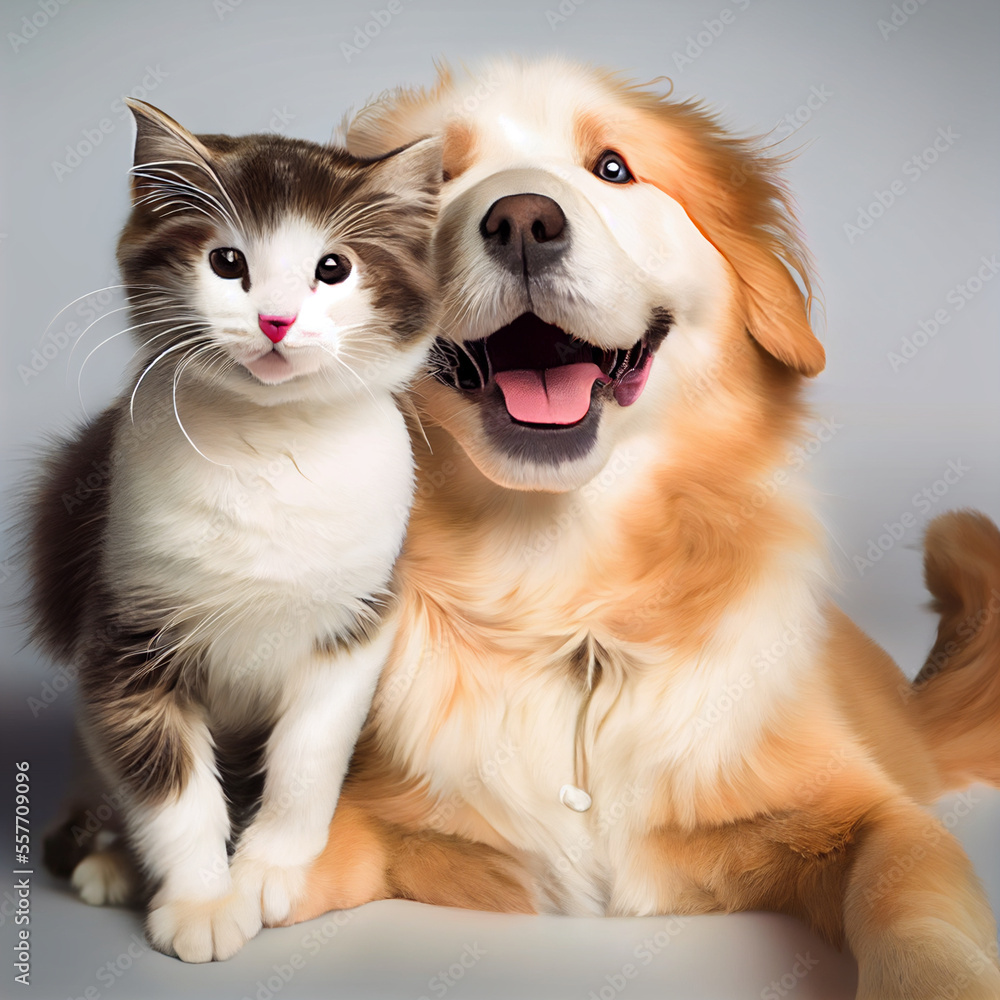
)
(412, 170)
(163, 146)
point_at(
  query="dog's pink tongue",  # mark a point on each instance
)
(550, 395)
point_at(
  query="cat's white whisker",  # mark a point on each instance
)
(178, 193)
(185, 361)
(409, 407)
(141, 170)
(336, 357)
(182, 199)
(149, 367)
(86, 295)
(186, 639)
(186, 207)
(345, 216)
(79, 374)
(144, 310)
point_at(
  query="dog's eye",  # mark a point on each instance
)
(228, 262)
(332, 269)
(611, 167)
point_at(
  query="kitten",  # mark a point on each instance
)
(214, 551)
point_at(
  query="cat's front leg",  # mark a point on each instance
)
(159, 751)
(306, 760)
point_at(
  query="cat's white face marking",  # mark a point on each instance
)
(330, 318)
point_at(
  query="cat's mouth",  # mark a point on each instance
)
(272, 367)
(544, 376)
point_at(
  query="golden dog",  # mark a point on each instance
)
(620, 685)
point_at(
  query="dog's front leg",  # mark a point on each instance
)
(915, 915)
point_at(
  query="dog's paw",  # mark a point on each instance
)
(203, 930)
(932, 959)
(105, 878)
(275, 889)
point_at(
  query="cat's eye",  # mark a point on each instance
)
(332, 269)
(611, 167)
(227, 262)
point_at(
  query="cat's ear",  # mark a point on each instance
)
(411, 170)
(163, 149)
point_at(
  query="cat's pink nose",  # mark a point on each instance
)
(275, 327)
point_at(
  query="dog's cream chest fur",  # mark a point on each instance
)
(504, 724)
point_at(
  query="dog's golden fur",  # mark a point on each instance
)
(605, 655)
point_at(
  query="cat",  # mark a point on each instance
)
(214, 552)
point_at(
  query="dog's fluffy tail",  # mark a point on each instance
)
(956, 696)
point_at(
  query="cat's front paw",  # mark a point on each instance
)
(105, 878)
(276, 889)
(203, 930)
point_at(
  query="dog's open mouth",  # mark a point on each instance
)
(546, 376)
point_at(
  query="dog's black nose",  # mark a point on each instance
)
(525, 232)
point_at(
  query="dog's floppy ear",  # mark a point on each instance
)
(731, 191)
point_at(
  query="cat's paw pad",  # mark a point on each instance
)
(105, 878)
(275, 888)
(203, 930)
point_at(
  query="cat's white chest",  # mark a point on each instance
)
(282, 515)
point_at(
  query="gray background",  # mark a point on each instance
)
(252, 66)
